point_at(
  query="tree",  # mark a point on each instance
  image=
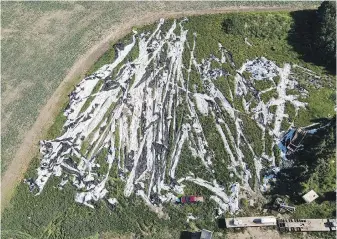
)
(313, 166)
(326, 33)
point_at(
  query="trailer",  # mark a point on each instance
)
(283, 225)
(306, 225)
(251, 221)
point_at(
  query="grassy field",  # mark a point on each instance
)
(54, 214)
(41, 41)
(46, 46)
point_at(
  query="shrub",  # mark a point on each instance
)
(267, 26)
(326, 32)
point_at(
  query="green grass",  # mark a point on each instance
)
(290, 111)
(42, 41)
(58, 216)
(222, 84)
(253, 133)
(56, 128)
(263, 84)
(95, 90)
(189, 163)
(221, 158)
(268, 144)
(315, 210)
(195, 81)
(207, 41)
(258, 25)
(320, 104)
(267, 96)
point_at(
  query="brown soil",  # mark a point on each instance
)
(29, 147)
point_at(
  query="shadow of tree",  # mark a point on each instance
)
(221, 223)
(302, 38)
(289, 183)
(328, 196)
(305, 162)
(189, 235)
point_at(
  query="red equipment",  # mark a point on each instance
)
(189, 199)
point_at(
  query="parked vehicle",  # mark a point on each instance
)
(189, 199)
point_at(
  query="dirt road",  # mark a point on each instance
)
(29, 148)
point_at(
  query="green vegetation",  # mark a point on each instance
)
(41, 41)
(290, 111)
(313, 35)
(268, 144)
(54, 214)
(56, 128)
(222, 84)
(320, 104)
(257, 25)
(95, 90)
(107, 57)
(261, 85)
(189, 163)
(326, 33)
(221, 158)
(314, 168)
(268, 95)
(253, 133)
(87, 103)
(195, 81)
(275, 49)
